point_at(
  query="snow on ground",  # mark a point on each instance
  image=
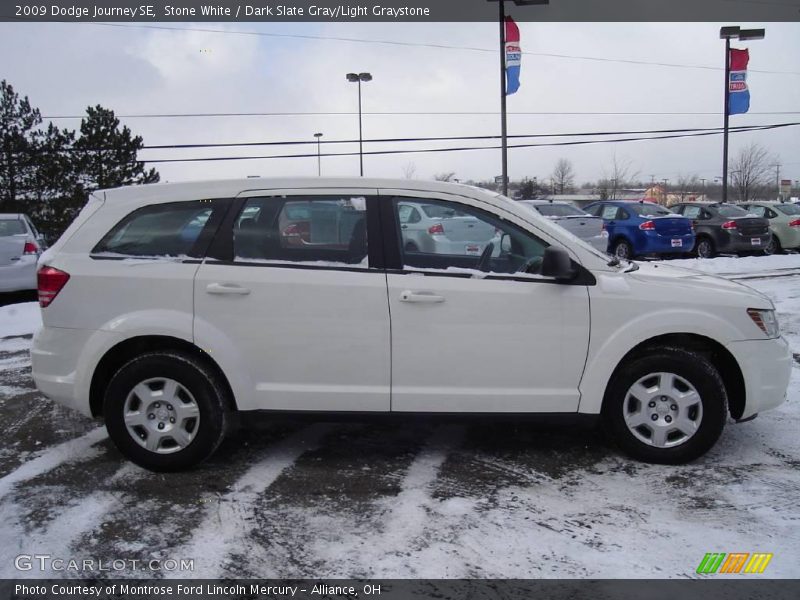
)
(400, 499)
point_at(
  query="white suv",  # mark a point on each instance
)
(167, 308)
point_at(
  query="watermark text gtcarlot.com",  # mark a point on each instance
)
(48, 562)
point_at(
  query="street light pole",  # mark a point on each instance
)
(358, 78)
(319, 155)
(729, 33)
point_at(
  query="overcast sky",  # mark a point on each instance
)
(133, 70)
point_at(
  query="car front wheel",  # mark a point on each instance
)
(668, 406)
(165, 411)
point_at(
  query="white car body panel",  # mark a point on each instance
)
(326, 339)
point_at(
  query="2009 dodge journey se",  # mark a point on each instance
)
(167, 308)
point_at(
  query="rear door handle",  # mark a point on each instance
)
(420, 297)
(227, 288)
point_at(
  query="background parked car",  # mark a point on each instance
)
(20, 247)
(434, 229)
(638, 228)
(578, 222)
(784, 224)
(725, 228)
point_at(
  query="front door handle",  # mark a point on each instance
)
(420, 297)
(227, 288)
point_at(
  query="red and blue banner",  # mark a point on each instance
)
(738, 92)
(513, 56)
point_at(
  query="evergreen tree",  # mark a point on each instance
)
(107, 155)
(18, 123)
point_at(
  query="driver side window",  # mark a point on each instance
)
(450, 237)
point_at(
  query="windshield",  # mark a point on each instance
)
(559, 210)
(646, 209)
(789, 209)
(729, 210)
(10, 227)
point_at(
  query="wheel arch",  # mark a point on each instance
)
(129, 348)
(720, 357)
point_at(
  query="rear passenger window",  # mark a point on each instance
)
(161, 230)
(691, 212)
(609, 212)
(323, 230)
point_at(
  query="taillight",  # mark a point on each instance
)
(647, 226)
(729, 225)
(436, 229)
(795, 223)
(30, 248)
(51, 280)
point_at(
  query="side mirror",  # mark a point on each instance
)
(557, 264)
(505, 244)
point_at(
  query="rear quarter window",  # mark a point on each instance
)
(162, 230)
(9, 227)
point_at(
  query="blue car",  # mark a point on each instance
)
(638, 228)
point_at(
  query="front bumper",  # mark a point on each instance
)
(19, 275)
(766, 367)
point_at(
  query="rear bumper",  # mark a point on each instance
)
(737, 242)
(63, 361)
(766, 366)
(655, 243)
(19, 275)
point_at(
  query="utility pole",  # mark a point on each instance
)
(778, 179)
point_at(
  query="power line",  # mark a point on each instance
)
(469, 148)
(451, 138)
(409, 113)
(426, 45)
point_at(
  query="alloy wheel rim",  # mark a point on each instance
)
(622, 250)
(663, 410)
(704, 249)
(161, 415)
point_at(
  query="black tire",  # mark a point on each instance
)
(689, 365)
(704, 247)
(201, 382)
(623, 249)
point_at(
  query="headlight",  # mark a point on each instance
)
(765, 320)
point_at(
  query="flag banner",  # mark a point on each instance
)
(513, 56)
(738, 92)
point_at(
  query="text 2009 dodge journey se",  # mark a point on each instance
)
(167, 308)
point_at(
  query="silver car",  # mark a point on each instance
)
(436, 229)
(20, 247)
(580, 224)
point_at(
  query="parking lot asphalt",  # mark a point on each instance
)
(406, 498)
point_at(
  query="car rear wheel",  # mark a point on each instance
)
(774, 246)
(165, 411)
(623, 249)
(705, 248)
(668, 406)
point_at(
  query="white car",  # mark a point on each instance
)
(165, 328)
(589, 228)
(20, 246)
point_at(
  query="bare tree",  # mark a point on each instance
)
(563, 175)
(445, 176)
(621, 173)
(750, 172)
(686, 186)
(409, 170)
